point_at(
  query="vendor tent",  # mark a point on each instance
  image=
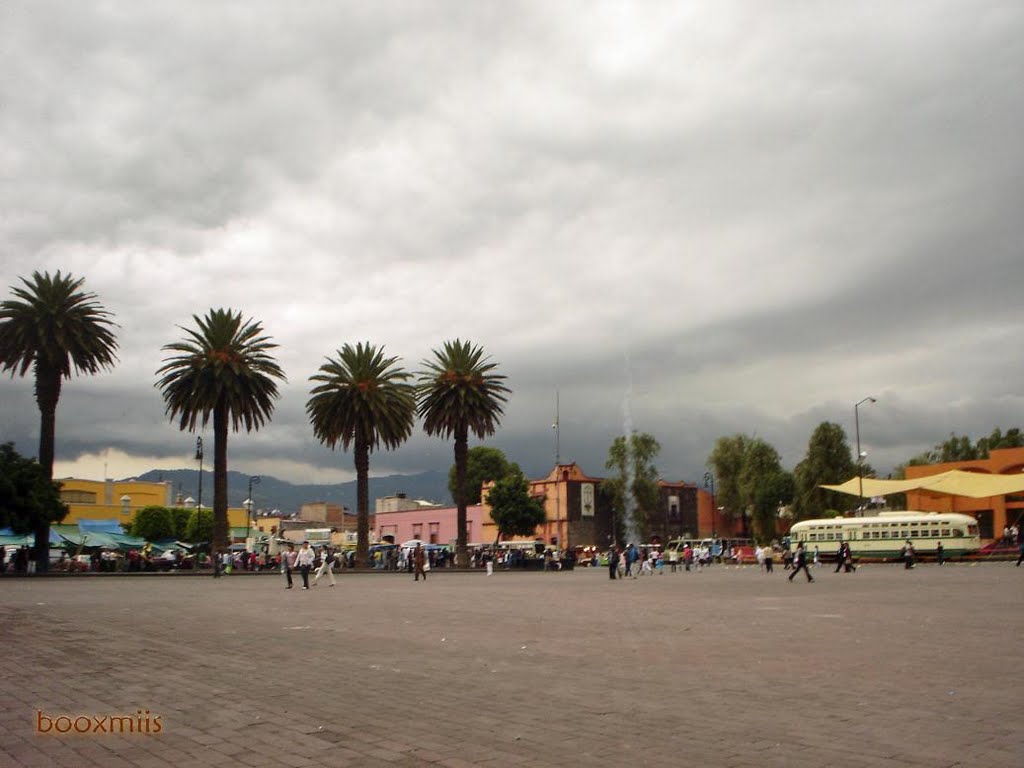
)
(956, 482)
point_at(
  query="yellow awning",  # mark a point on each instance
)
(955, 482)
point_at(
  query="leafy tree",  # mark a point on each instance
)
(222, 369)
(763, 485)
(153, 523)
(727, 459)
(362, 400)
(201, 525)
(180, 516)
(28, 498)
(514, 511)
(635, 482)
(53, 327)
(458, 393)
(827, 461)
(483, 464)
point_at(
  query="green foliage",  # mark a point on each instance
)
(54, 328)
(483, 464)
(458, 392)
(153, 523)
(960, 447)
(726, 460)
(200, 526)
(27, 496)
(180, 516)
(635, 479)
(827, 461)
(222, 370)
(362, 400)
(513, 510)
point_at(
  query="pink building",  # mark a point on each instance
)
(434, 525)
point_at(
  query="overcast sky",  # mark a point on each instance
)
(692, 219)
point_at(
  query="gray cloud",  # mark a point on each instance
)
(720, 219)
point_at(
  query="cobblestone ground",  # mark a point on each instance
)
(726, 667)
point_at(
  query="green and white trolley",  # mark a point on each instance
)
(883, 535)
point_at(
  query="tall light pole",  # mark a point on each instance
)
(253, 480)
(860, 455)
(709, 479)
(199, 458)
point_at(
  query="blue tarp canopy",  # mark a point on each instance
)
(100, 526)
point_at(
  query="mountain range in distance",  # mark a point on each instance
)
(273, 494)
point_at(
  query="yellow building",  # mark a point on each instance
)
(121, 499)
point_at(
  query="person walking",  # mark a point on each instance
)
(326, 566)
(418, 562)
(908, 555)
(305, 560)
(613, 563)
(800, 561)
(940, 553)
(288, 563)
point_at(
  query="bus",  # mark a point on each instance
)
(884, 535)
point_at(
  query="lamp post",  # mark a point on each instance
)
(248, 504)
(860, 455)
(199, 458)
(709, 479)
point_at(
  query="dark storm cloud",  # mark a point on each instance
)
(696, 220)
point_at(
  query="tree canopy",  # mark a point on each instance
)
(827, 461)
(362, 400)
(27, 496)
(634, 485)
(222, 369)
(483, 464)
(513, 510)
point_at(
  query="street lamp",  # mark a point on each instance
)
(199, 458)
(860, 454)
(248, 503)
(709, 479)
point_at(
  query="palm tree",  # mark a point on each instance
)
(53, 327)
(459, 394)
(222, 369)
(362, 400)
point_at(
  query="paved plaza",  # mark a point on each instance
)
(726, 667)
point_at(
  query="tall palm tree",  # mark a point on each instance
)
(53, 327)
(458, 393)
(362, 401)
(222, 369)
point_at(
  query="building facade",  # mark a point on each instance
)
(992, 513)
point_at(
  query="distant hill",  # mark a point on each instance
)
(272, 493)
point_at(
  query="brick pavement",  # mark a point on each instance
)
(728, 667)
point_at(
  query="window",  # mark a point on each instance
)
(78, 497)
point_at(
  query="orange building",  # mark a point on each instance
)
(992, 513)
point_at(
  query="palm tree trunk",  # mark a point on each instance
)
(220, 479)
(461, 455)
(47, 395)
(362, 456)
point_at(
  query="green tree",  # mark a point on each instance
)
(201, 526)
(763, 485)
(54, 328)
(727, 459)
(458, 393)
(28, 498)
(153, 523)
(180, 516)
(362, 401)
(635, 481)
(827, 461)
(222, 369)
(483, 464)
(514, 511)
